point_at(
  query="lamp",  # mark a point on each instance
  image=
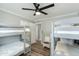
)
(38, 13)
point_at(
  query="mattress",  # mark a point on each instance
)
(12, 49)
(67, 34)
(66, 50)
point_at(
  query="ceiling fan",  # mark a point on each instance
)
(38, 10)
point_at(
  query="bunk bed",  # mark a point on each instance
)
(66, 46)
(14, 41)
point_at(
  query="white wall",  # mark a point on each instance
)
(67, 21)
(45, 29)
(65, 28)
(46, 26)
(10, 20)
(34, 33)
(7, 19)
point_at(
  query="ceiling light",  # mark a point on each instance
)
(38, 13)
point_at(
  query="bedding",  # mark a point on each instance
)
(12, 48)
(66, 50)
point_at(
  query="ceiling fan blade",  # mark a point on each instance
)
(43, 12)
(28, 9)
(36, 5)
(51, 5)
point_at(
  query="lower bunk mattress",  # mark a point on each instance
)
(66, 50)
(13, 49)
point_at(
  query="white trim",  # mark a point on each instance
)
(44, 19)
(52, 51)
(57, 17)
(10, 12)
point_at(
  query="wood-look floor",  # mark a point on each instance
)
(39, 50)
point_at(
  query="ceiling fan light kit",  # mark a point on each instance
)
(38, 13)
(38, 10)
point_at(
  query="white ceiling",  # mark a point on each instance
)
(59, 9)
